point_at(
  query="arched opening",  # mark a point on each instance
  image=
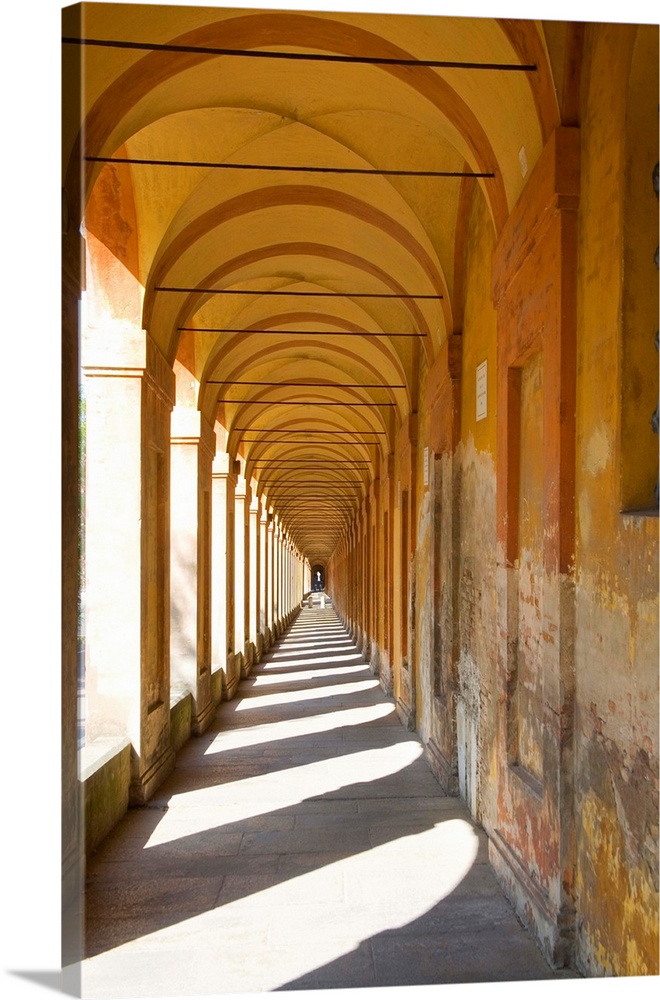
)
(318, 577)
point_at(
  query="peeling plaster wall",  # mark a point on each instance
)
(424, 589)
(586, 649)
(616, 656)
(455, 560)
(476, 598)
(476, 718)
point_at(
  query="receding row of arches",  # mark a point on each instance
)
(366, 305)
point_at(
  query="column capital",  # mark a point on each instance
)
(121, 350)
(190, 426)
(224, 467)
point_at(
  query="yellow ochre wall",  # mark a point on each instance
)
(607, 864)
(616, 649)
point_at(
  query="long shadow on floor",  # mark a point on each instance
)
(470, 936)
(150, 875)
(134, 889)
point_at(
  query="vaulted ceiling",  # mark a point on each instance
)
(294, 192)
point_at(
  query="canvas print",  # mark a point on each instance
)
(360, 506)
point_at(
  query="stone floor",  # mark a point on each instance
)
(301, 843)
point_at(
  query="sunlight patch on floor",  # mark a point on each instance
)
(289, 697)
(266, 679)
(199, 810)
(311, 647)
(234, 739)
(333, 908)
(341, 657)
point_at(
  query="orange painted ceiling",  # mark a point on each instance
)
(304, 301)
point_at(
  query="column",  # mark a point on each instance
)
(277, 567)
(192, 448)
(375, 574)
(443, 395)
(405, 663)
(130, 394)
(270, 610)
(263, 574)
(224, 675)
(241, 572)
(254, 589)
(287, 577)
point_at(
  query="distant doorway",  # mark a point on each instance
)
(318, 578)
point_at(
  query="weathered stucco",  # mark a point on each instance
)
(616, 650)
(477, 617)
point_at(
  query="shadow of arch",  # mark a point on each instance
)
(171, 882)
(394, 841)
(470, 936)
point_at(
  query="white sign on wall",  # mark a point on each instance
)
(482, 390)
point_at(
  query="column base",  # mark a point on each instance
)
(248, 660)
(446, 775)
(554, 930)
(217, 685)
(406, 714)
(374, 660)
(232, 675)
(200, 722)
(144, 785)
(385, 674)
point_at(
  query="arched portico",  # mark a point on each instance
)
(342, 317)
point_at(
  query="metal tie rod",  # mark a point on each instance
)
(299, 56)
(283, 291)
(286, 168)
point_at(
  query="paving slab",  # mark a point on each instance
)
(302, 842)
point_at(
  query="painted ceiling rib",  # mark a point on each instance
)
(301, 56)
(300, 169)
